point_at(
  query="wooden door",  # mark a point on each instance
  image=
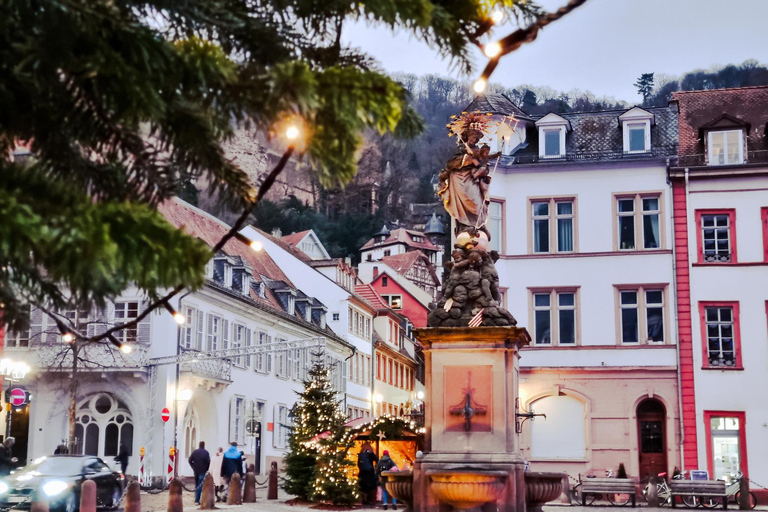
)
(652, 439)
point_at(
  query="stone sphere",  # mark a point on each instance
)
(463, 239)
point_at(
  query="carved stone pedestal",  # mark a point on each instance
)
(472, 459)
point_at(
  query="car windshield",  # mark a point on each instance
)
(57, 466)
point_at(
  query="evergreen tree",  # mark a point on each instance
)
(644, 86)
(317, 412)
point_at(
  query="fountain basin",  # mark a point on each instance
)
(400, 485)
(467, 489)
(541, 488)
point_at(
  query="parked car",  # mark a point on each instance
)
(59, 479)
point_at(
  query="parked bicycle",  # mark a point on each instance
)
(577, 498)
(665, 493)
(733, 491)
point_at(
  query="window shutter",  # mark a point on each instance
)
(210, 327)
(247, 344)
(268, 355)
(199, 345)
(225, 334)
(276, 427)
(143, 329)
(288, 362)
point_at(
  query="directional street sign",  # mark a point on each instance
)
(165, 414)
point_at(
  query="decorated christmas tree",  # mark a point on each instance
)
(314, 465)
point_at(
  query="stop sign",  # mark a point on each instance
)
(165, 414)
(18, 397)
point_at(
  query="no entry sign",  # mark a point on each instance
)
(19, 397)
(165, 414)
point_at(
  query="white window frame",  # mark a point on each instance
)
(641, 307)
(260, 362)
(638, 215)
(238, 340)
(543, 141)
(237, 419)
(188, 339)
(712, 157)
(391, 299)
(554, 308)
(213, 338)
(131, 334)
(552, 219)
(645, 124)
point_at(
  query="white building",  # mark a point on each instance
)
(579, 215)
(247, 301)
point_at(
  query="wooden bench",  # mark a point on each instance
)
(608, 486)
(699, 489)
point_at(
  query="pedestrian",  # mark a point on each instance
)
(122, 459)
(7, 460)
(216, 471)
(200, 462)
(366, 478)
(244, 469)
(61, 450)
(232, 463)
(386, 464)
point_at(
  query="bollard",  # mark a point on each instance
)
(133, 497)
(175, 503)
(208, 496)
(272, 487)
(40, 503)
(744, 494)
(88, 496)
(235, 490)
(653, 493)
(249, 493)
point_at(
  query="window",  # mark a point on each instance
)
(349, 319)
(721, 342)
(236, 419)
(215, 329)
(280, 354)
(717, 236)
(552, 143)
(641, 310)
(104, 423)
(125, 312)
(563, 435)
(239, 340)
(394, 301)
(188, 337)
(387, 252)
(636, 129)
(554, 317)
(384, 281)
(281, 427)
(496, 225)
(367, 328)
(726, 147)
(637, 138)
(20, 339)
(335, 317)
(263, 358)
(639, 221)
(551, 129)
(553, 225)
(378, 366)
(726, 444)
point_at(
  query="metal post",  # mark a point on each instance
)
(8, 406)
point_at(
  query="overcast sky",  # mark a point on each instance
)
(603, 46)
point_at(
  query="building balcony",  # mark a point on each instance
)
(214, 371)
(702, 160)
(586, 156)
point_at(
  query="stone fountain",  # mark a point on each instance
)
(472, 351)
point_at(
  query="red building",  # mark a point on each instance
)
(400, 299)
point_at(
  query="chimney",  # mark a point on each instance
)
(277, 233)
(348, 261)
(375, 272)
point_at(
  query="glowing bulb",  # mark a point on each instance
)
(126, 348)
(497, 16)
(256, 245)
(179, 318)
(292, 132)
(68, 337)
(480, 85)
(420, 395)
(492, 50)
(185, 394)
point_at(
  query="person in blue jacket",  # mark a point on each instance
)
(232, 463)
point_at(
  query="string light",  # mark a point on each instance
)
(497, 16)
(292, 132)
(125, 348)
(492, 50)
(480, 85)
(67, 337)
(178, 317)
(255, 245)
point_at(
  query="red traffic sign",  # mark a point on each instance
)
(19, 397)
(165, 414)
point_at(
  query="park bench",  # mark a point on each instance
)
(699, 489)
(608, 486)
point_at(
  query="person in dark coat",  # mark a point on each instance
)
(386, 464)
(199, 461)
(231, 464)
(366, 479)
(122, 459)
(7, 460)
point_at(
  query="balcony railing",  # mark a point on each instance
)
(219, 370)
(57, 357)
(697, 160)
(586, 156)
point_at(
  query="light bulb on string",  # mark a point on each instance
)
(497, 16)
(480, 85)
(491, 50)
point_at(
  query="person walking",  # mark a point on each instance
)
(216, 471)
(122, 459)
(386, 464)
(366, 479)
(7, 460)
(232, 463)
(200, 462)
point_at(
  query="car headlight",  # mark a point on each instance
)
(3, 487)
(54, 487)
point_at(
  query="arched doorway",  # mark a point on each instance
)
(652, 438)
(191, 433)
(104, 424)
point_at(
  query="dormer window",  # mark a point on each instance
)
(726, 147)
(552, 129)
(291, 306)
(636, 126)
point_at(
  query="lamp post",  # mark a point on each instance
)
(183, 395)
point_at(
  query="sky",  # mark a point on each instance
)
(603, 46)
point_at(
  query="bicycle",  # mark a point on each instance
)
(577, 498)
(733, 491)
(664, 492)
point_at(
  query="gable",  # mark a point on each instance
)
(725, 121)
(636, 114)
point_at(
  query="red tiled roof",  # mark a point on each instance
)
(402, 263)
(402, 236)
(297, 253)
(295, 238)
(367, 292)
(210, 230)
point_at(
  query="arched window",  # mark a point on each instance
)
(104, 424)
(190, 433)
(562, 434)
